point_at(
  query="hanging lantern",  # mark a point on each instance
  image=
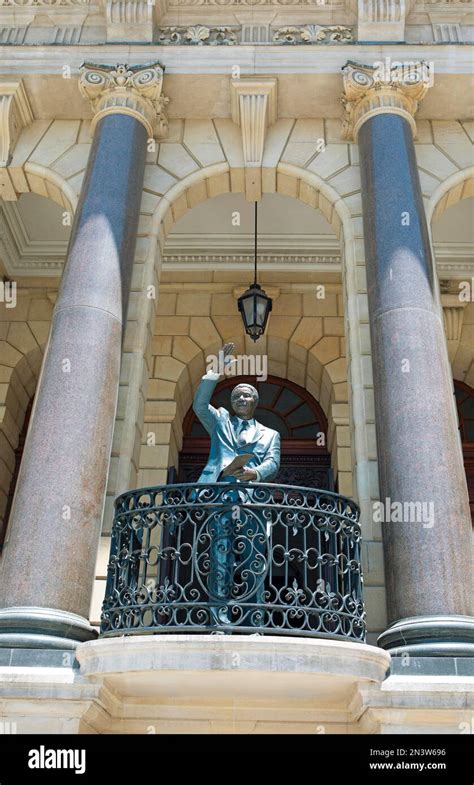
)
(254, 304)
(255, 307)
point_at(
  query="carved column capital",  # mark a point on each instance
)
(15, 114)
(123, 89)
(254, 109)
(384, 87)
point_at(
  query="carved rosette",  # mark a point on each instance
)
(372, 90)
(123, 89)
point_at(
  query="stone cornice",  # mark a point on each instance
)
(28, 61)
(382, 88)
(122, 89)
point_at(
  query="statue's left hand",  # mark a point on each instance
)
(245, 474)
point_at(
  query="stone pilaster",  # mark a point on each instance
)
(47, 569)
(424, 506)
(254, 109)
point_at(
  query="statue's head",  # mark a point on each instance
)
(244, 401)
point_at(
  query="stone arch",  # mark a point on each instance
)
(22, 355)
(178, 374)
(458, 314)
(314, 191)
(297, 347)
(459, 185)
(44, 181)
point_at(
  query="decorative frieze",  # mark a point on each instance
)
(202, 35)
(132, 90)
(197, 35)
(251, 3)
(42, 3)
(370, 90)
(313, 34)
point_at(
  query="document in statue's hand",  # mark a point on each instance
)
(237, 463)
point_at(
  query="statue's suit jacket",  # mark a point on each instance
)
(262, 442)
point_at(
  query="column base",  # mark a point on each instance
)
(430, 636)
(43, 628)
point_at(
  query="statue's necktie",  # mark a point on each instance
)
(242, 434)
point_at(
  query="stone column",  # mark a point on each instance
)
(425, 515)
(47, 569)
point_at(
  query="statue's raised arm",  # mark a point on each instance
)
(237, 433)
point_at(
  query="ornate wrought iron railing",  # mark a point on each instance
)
(235, 557)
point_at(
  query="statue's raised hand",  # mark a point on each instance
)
(227, 350)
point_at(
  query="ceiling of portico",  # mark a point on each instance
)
(33, 240)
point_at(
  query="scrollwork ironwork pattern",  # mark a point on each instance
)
(235, 557)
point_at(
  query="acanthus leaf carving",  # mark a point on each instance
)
(313, 34)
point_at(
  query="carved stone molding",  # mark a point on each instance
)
(253, 103)
(15, 114)
(372, 90)
(382, 20)
(453, 312)
(313, 34)
(197, 35)
(123, 89)
(252, 3)
(129, 20)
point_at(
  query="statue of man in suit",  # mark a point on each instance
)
(236, 434)
(236, 549)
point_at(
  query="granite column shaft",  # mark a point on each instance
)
(48, 564)
(427, 534)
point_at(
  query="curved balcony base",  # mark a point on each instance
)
(223, 677)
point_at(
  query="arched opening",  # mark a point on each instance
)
(34, 233)
(452, 208)
(287, 408)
